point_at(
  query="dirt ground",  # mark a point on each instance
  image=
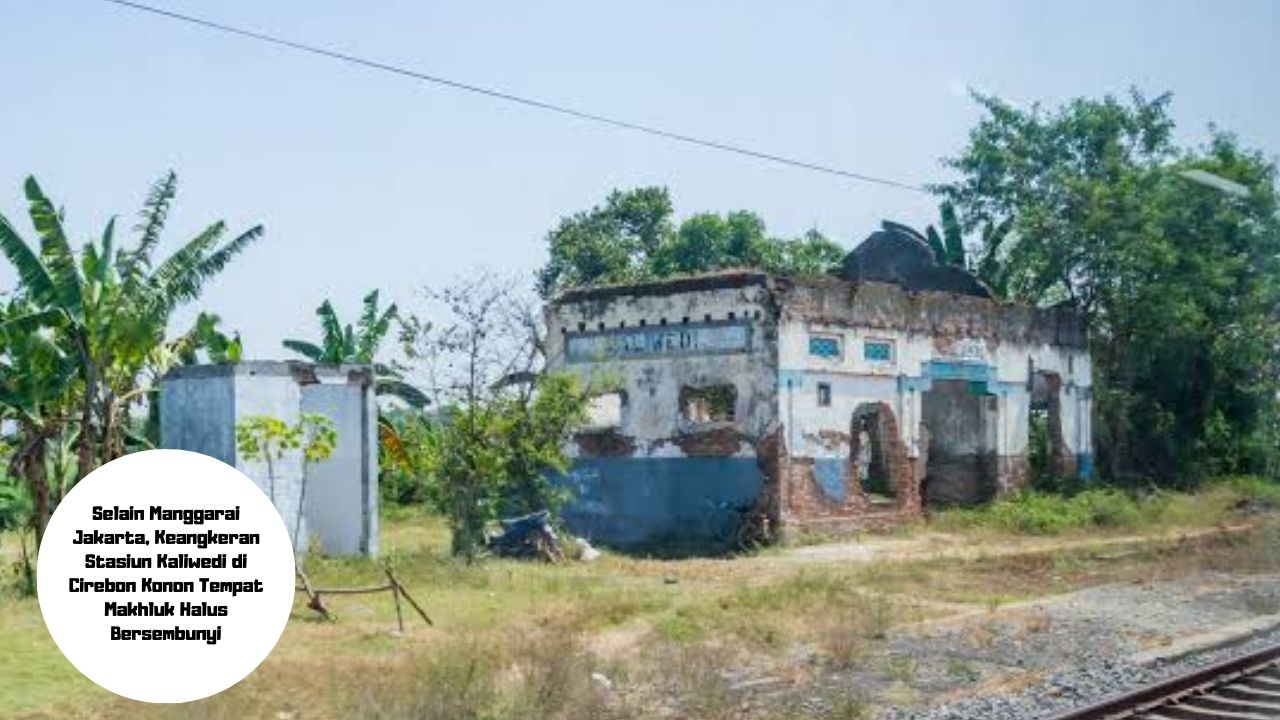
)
(835, 630)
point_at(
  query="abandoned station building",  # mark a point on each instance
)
(837, 403)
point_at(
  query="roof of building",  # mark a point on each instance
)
(714, 280)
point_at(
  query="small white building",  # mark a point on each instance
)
(843, 402)
(200, 406)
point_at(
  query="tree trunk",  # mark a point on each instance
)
(86, 416)
(38, 481)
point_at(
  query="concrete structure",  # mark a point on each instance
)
(836, 402)
(200, 406)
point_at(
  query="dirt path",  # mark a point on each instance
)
(931, 546)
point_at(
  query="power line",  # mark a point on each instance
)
(517, 99)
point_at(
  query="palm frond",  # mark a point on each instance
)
(331, 333)
(952, 235)
(176, 279)
(55, 250)
(401, 390)
(310, 351)
(935, 244)
(32, 273)
(31, 322)
(214, 263)
(104, 255)
(155, 211)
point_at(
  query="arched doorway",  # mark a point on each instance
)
(877, 464)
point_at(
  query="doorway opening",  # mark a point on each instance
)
(961, 418)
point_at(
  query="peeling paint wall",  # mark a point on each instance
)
(201, 404)
(805, 359)
(655, 473)
(931, 337)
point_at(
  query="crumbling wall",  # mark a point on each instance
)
(808, 502)
(961, 362)
(695, 360)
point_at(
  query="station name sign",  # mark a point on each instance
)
(660, 341)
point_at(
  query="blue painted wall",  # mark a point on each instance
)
(829, 472)
(636, 500)
(1084, 465)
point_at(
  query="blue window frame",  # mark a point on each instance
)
(877, 351)
(824, 347)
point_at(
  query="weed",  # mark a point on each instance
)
(962, 671)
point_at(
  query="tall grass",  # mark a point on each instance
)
(1039, 513)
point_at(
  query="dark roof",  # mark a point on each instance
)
(894, 255)
(714, 280)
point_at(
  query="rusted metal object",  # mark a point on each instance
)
(1243, 687)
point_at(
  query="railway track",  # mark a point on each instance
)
(1243, 688)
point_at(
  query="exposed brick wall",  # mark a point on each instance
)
(604, 443)
(1061, 462)
(803, 504)
(720, 441)
(1012, 473)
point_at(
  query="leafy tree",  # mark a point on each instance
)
(632, 237)
(985, 260)
(1180, 282)
(501, 427)
(359, 344)
(262, 438)
(83, 335)
(607, 243)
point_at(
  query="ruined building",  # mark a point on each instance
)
(832, 403)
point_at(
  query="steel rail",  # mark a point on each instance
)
(1164, 699)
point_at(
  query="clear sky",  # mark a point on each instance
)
(367, 180)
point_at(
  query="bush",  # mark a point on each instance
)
(1038, 513)
(15, 503)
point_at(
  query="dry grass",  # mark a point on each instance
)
(616, 639)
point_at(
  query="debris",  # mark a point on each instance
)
(586, 553)
(530, 537)
(601, 681)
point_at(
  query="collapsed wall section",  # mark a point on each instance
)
(952, 373)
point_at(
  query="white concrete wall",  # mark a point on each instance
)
(341, 505)
(856, 381)
(201, 405)
(652, 384)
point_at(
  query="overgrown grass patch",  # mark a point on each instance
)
(1108, 509)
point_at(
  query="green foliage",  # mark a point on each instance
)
(492, 457)
(15, 503)
(633, 237)
(535, 429)
(1036, 513)
(266, 438)
(359, 344)
(1063, 508)
(1180, 283)
(83, 336)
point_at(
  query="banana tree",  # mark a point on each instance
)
(38, 390)
(108, 308)
(359, 344)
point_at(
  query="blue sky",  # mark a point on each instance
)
(368, 180)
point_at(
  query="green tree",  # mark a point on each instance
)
(499, 432)
(100, 313)
(985, 259)
(1180, 282)
(633, 237)
(262, 438)
(359, 344)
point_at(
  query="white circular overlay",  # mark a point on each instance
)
(166, 576)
